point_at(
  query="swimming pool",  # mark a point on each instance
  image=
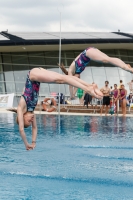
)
(84, 158)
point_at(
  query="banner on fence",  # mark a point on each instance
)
(6, 100)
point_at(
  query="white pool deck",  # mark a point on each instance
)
(3, 110)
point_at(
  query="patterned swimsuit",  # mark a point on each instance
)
(31, 93)
(81, 62)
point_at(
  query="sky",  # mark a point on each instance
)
(76, 15)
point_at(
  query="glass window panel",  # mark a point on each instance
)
(123, 52)
(96, 64)
(130, 55)
(124, 73)
(52, 61)
(7, 67)
(55, 88)
(2, 88)
(76, 53)
(10, 87)
(69, 61)
(67, 92)
(99, 80)
(114, 80)
(1, 69)
(51, 54)
(21, 59)
(1, 77)
(6, 58)
(117, 53)
(70, 55)
(99, 71)
(86, 72)
(108, 65)
(44, 89)
(109, 52)
(123, 55)
(36, 60)
(36, 54)
(2, 84)
(20, 76)
(19, 88)
(87, 79)
(19, 67)
(9, 76)
(130, 52)
(111, 71)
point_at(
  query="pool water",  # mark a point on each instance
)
(80, 158)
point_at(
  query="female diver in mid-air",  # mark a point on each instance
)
(28, 101)
(91, 53)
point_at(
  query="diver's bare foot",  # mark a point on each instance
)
(130, 68)
(129, 65)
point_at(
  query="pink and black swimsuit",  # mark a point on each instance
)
(122, 93)
(115, 92)
(82, 61)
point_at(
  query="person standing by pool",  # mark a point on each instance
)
(123, 101)
(116, 94)
(121, 82)
(82, 60)
(29, 99)
(130, 99)
(106, 97)
(80, 94)
(111, 90)
(130, 86)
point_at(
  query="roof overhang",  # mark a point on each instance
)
(67, 47)
(20, 42)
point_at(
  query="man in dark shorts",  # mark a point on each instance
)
(106, 97)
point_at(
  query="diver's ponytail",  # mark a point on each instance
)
(12, 110)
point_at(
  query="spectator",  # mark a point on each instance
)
(87, 99)
(123, 101)
(116, 94)
(129, 99)
(130, 86)
(112, 106)
(106, 97)
(60, 98)
(111, 91)
(80, 94)
(121, 82)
